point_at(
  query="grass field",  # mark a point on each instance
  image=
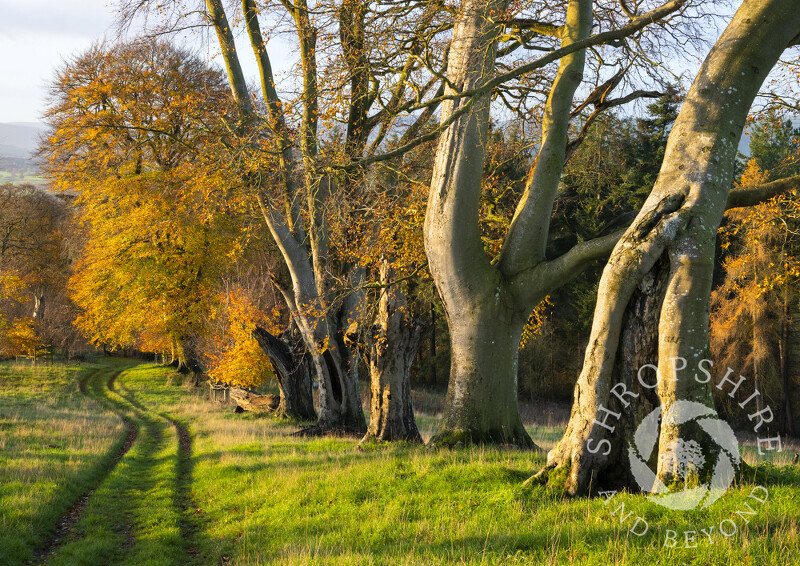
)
(202, 485)
(7, 177)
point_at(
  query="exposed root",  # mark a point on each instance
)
(317, 430)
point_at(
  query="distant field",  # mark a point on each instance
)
(34, 179)
(202, 485)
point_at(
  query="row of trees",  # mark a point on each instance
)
(169, 175)
(379, 77)
(34, 251)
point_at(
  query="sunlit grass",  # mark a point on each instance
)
(53, 441)
(262, 496)
(266, 497)
(134, 517)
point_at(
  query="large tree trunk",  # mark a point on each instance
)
(392, 351)
(333, 340)
(458, 263)
(481, 404)
(639, 346)
(680, 218)
(293, 371)
(486, 304)
(188, 360)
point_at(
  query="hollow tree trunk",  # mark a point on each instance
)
(293, 371)
(639, 346)
(681, 218)
(335, 361)
(392, 351)
(786, 420)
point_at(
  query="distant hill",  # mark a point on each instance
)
(19, 139)
(18, 142)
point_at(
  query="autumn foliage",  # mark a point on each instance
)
(137, 136)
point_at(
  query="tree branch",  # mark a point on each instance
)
(532, 285)
(543, 28)
(756, 194)
(632, 27)
(581, 256)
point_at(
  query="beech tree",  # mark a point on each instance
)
(382, 69)
(672, 240)
(132, 136)
(35, 312)
(488, 300)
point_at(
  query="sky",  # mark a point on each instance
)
(36, 36)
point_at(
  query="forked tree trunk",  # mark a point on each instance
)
(487, 302)
(308, 298)
(293, 371)
(480, 363)
(680, 218)
(392, 351)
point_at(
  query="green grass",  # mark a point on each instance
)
(6, 177)
(54, 443)
(134, 517)
(250, 493)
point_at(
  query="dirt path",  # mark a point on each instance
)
(148, 437)
(66, 523)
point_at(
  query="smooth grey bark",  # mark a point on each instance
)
(487, 305)
(679, 220)
(393, 347)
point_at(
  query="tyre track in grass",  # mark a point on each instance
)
(66, 523)
(189, 523)
(126, 520)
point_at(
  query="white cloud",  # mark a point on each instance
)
(35, 37)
